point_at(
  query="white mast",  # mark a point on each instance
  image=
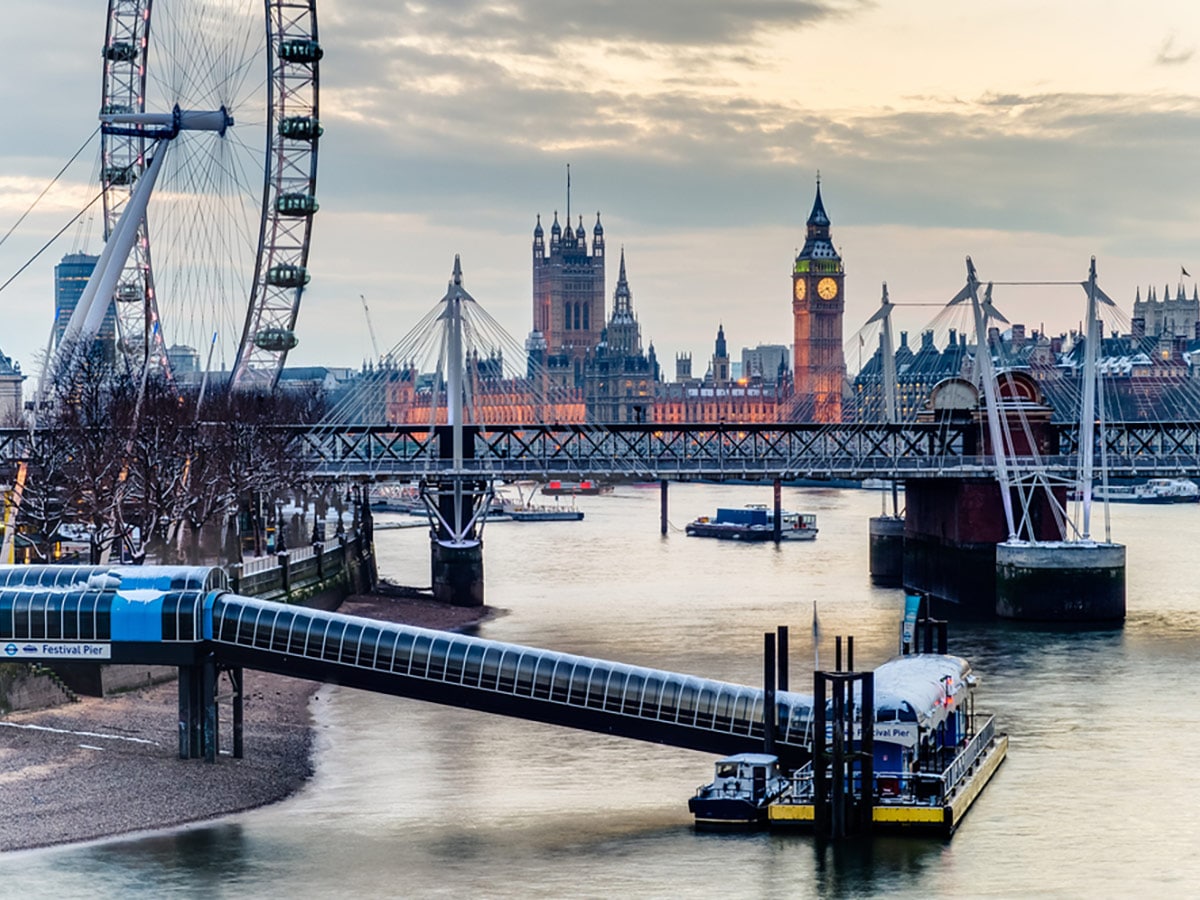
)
(884, 315)
(1087, 417)
(983, 357)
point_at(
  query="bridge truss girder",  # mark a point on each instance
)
(719, 452)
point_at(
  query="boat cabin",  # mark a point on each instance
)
(752, 776)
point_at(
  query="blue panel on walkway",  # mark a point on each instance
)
(137, 615)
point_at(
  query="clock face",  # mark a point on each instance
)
(827, 288)
(801, 289)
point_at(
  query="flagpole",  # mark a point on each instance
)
(816, 633)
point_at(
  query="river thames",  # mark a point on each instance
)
(409, 799)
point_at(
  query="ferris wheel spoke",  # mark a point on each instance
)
(227, 255)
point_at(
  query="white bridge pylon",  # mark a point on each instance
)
(162, 128)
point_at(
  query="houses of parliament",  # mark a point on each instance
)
(586, 363)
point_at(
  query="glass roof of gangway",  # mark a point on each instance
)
(659, 701)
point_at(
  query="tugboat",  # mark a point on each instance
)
(738, 796)
(756, 522)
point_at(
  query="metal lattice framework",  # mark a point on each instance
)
(291, 177)
(229, 196)
(756, 452)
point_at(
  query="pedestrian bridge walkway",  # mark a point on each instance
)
(185, 617)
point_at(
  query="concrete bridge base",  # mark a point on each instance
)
(457, 572)
(1061, 582)
(887, 550)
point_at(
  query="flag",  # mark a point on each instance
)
(1185, 272)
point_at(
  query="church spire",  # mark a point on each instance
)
(818, 218)
(622, 298)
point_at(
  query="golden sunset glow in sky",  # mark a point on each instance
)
(1029, 135)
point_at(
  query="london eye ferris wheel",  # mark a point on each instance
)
(210, 127)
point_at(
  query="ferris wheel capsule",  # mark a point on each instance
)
(214, 251)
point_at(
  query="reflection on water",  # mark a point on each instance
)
(414, 799)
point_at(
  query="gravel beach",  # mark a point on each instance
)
(104, 767)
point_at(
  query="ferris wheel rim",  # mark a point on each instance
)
(289, 167)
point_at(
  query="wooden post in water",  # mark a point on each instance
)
(778, 529)
(662, 499)
(781, 632)
(768, 692)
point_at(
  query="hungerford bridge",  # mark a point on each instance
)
(381, 453)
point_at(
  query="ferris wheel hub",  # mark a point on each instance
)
(167, 125)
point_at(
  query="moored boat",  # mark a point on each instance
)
(737, 797)
(565, 488)
(754, 523)
(1153, 491)
(523, 509)
(544, 514)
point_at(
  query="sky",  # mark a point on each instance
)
(1030, 135)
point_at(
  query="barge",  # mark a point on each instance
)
(927, 756)
(932, 753)
(755, 522)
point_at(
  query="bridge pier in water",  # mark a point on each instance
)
(458, 507)
(956, 552)
(886, 537)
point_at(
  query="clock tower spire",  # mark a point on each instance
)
(817, 307)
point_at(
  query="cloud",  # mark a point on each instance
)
(1171, 55)
(540, 26)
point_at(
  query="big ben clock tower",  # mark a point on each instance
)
(817, 307)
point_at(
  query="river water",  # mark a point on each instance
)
(1097, 797)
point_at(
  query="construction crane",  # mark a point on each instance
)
(371, 328)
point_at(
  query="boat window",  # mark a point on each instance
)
(727, 770)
